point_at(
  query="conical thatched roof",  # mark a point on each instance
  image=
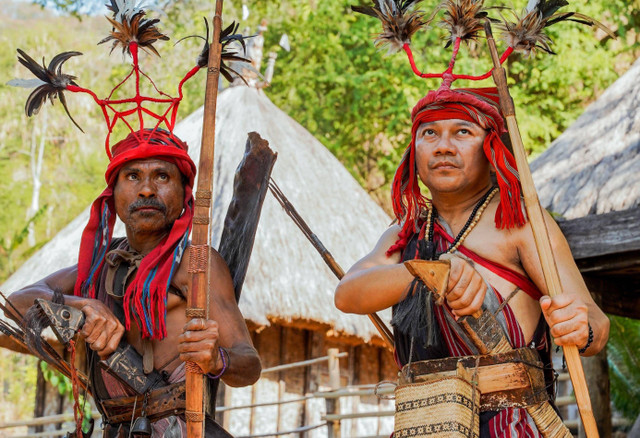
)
(286, 280)
(594, 166)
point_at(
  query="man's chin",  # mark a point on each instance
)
(147, 225)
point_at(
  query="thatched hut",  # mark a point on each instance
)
(591, 176)
(287, 297)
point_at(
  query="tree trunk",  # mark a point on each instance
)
(36, 158)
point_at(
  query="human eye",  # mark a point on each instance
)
(464, 131)
(131, 176)
(163, 176)
(426, 132)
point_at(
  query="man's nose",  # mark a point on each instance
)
(444, 145)
(146, 189)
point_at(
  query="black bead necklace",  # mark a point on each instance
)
(474, 217)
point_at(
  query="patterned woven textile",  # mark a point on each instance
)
(446, 407)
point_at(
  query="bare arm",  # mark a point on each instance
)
(226, 328)
(376, 281)
(569, 313)
(102, 330)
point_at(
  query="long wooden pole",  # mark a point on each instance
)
(197, 303)
(540, 233)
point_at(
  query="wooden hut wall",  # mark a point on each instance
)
(283, 344)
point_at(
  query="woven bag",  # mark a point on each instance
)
(446, 407)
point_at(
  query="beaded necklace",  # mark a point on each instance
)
(473, 220)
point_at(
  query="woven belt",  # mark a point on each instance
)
(161, 403)
(511, 379)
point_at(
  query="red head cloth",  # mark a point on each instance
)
(477, 105)
(145, 297)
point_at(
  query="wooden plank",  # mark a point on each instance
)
(603, 234)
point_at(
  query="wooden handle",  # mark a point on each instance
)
(433, 273)
(540, 234)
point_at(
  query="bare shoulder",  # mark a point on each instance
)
(218, 265)
(523, 237)
(218, 269)
(496, 244)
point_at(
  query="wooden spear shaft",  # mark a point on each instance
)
(197, 303)
(385, 332)
(540, 233)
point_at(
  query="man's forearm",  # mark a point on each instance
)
(243, 367)
(373, 289)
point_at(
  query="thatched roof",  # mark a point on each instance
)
(594, 166)
(287, 280)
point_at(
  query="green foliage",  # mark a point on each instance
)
(10, 245)
(624, 365)
(18, 383)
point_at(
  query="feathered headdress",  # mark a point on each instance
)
(145, 297)
(131, 31)
(463, 20)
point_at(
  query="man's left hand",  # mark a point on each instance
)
(568, 319)
(199, 343)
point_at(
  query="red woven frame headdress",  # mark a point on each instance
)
(464, 20)
(145, 297)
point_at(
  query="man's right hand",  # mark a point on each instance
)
(466, 289)
(102, 331)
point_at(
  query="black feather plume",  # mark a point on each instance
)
(400, 20)
(52, 82)
(229, 52)
(526, 33)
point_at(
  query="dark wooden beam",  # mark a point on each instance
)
(606, 248)
(603, 234)
(620, 294)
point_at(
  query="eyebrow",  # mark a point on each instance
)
(130, 169)
(459, 123)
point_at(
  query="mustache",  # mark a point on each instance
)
(146, 203)
(438, 161)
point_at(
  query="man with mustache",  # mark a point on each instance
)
(134, 289)
(473, 217)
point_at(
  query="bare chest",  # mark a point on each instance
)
(499, 247)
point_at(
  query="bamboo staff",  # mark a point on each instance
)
(288, 207)
(540, 233)
(197, 299)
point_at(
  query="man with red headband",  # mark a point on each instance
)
(133, 290)
(474, 218)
